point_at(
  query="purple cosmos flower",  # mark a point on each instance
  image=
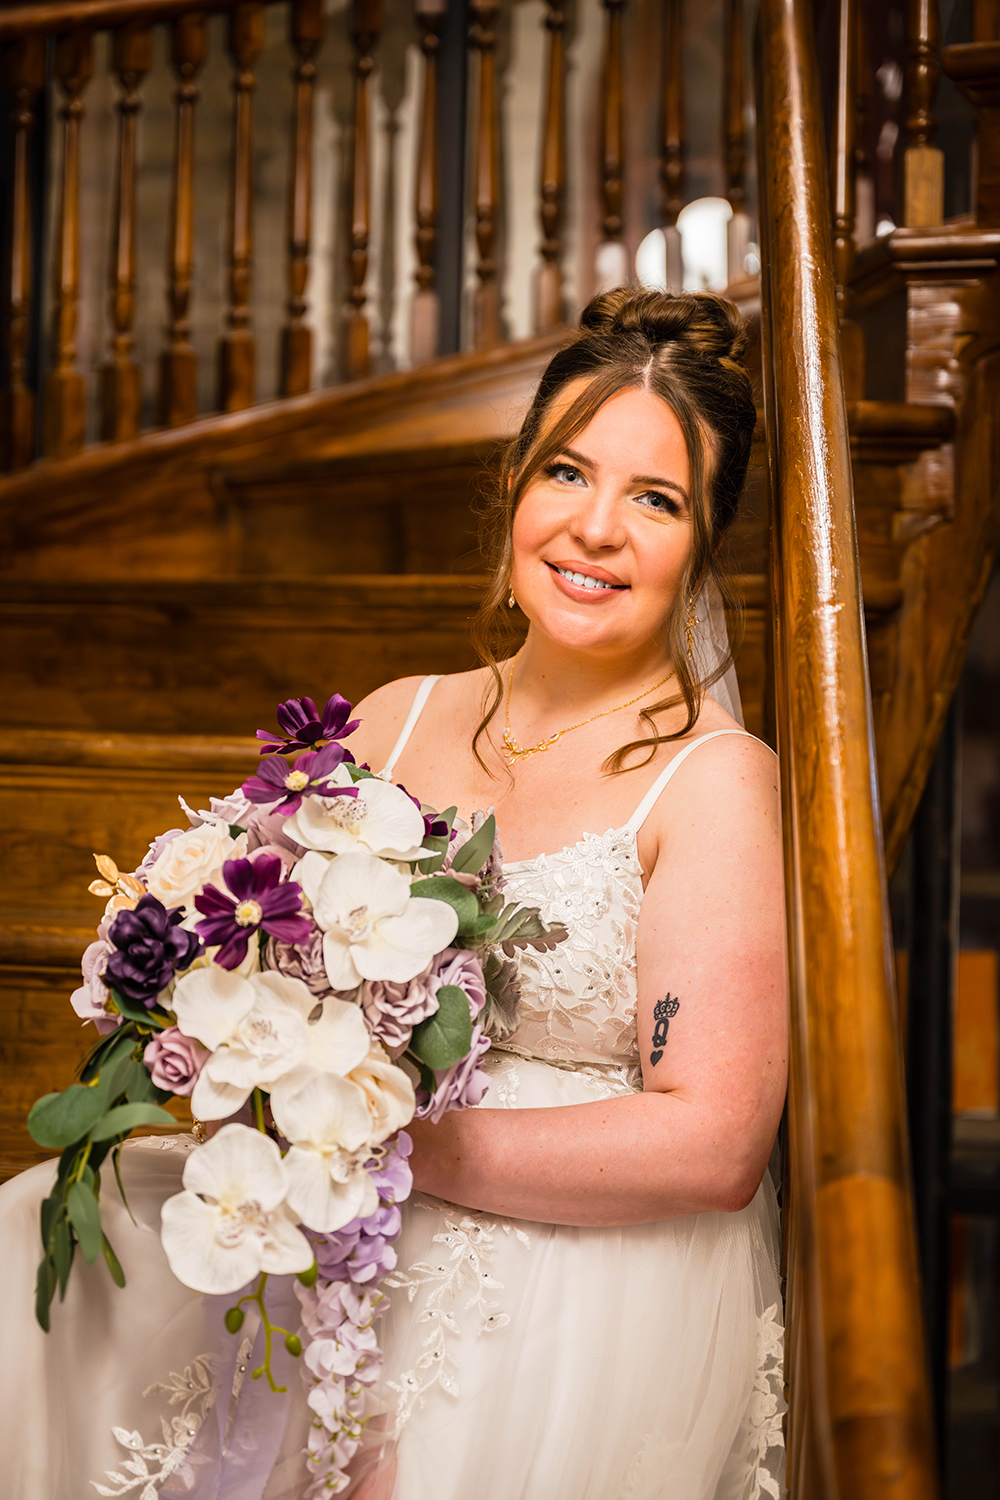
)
(304, 727)
(151, 945)
(277, 781)
(259, 899)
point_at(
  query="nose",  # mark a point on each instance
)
(597, 523)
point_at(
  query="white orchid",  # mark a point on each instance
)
(257, 1029)
(328, 1123)
(380, 820)
(231, 1223)
(388, 1092)
(372, 927)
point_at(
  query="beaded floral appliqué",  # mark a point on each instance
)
(149, 1464)
(766, 1413)
(470, 1245)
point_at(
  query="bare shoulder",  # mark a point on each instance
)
(726, 793)
(383, 712)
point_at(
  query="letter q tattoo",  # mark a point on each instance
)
(663, 1010)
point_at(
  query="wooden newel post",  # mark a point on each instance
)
(121, 379)
(306, 33)
(672, 148)
(22, 69)
(178, 362)
(426, 310)
(64, 390)
(843, 167)
(237, 348)
(735, 134)
(612, 260)
(486, 298)
(923, 164)
(366, 26)
(549, 294)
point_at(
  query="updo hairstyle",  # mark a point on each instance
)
(688, 350)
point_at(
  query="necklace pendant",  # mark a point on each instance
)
(513, 752)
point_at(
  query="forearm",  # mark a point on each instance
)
(618, 1161)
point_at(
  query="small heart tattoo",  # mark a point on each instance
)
(654, 1057)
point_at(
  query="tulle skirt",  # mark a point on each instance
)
(522, 1361)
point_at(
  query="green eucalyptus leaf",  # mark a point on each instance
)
(155, 1019)
(481, 928)
(430, 866)
(358, 773)
(85, 1216)
(107, 1050)
(45, 1289)
(446, 1036)
(142, 1089)
(116, 1159)
(235, 830)
(443, 888)
(62, 1253)
(125, 1117)
(51, 1207)
(476, 851)
(61, 1119)
(114, 1264)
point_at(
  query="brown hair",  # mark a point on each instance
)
(686, 349)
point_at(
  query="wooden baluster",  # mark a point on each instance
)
(842, 166)
(612, 261)
(549, 291)
(985, 20)
(923, 164)
(121, 378)
(306, 33)
(237, 348)
(672, 151)
(366, 24)
(64, 390)
(486, 298)
(178, 362)
(426, 310)
(23, 74)
(734, 99)
(864, 176)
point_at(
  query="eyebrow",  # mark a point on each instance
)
(666, 484)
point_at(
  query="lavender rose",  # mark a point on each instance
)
(90, 1001)
(175, 1060)
(458, 1087)
(392, 1010)
(301, 961)
(267, 831)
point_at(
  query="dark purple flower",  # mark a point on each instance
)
(151, 945)
(457, 1087)
(277, 781)
(304, 727)
(259, 898)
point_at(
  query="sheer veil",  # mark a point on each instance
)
(710, 649)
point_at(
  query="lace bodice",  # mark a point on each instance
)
(578, 1001)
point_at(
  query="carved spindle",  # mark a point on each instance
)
(237, 348)
(23, 74)
(612, 261)
(305, 34)
(864, 175)
(64, 391)
(734, 130)
(549, 307)
(121, 378)
(178, 362)
(923, 164)
(366, 24)
(672, 152)
(486, 299)
(842, 167)
(426, 310)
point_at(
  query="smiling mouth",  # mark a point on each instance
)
(585, 580)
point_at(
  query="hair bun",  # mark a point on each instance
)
(707, 324)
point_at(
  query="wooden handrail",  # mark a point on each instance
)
(98, 15)
(859, 1423)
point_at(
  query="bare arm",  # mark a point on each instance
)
(711, 938)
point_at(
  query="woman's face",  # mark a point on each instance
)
(603, 533)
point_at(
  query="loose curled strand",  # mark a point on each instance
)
(686, 349)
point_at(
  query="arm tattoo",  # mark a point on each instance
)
(663, 1010)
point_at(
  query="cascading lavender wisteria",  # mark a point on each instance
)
(314, 962)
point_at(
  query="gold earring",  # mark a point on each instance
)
(511, 601)
(690, 625)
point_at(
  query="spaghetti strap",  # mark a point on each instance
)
(645, 807)
(419, 699)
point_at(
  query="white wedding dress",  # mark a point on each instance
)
(523, 1361)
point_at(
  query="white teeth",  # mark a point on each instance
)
(583, 580)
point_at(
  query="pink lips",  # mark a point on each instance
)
(580, 591)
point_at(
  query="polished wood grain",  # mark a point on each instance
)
(859, 1418)
(612, 164)
(426, 309)
(974, 67)
(366, 25)
(22, 72)
(486, 174)
(60, 15)
(549, 312)
(923, 163)
(121, 378)
(985, 20)
(843, 166)
(178, 361)
(237, 347)
(306, 33)
(64, 388)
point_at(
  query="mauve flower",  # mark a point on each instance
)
(157, 847)
(302, 960)
(278, 782)
(259, 899)
(174, 1061)
(90, 1001)
(269, 831)
(394, 1179)
(392, 1010)
(457, 1087)
(304, 727)
(150, 946)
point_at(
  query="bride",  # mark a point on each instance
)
(586, 1302)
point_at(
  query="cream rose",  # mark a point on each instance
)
(388, 1092)
(192, 861)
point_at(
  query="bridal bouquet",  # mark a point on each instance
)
(316, 960)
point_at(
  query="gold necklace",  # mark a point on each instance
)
(513, 752)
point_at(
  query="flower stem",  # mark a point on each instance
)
(270, 1329)
(258, 1109)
